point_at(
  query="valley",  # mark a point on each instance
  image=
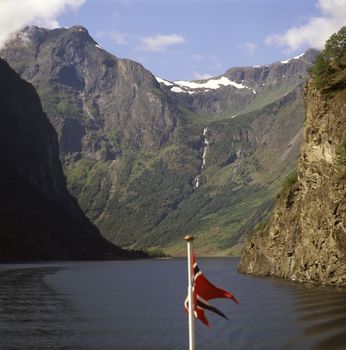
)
(150, 161)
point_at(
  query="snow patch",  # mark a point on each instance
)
(210, 84)
(294, 58)
(177, 89)
(98, 46)
(166, 82)
(299, 56)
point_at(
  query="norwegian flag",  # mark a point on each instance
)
(203, 291)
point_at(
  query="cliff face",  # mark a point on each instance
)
(38, 217)
(305, 239)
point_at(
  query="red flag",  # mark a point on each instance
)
(203, 291)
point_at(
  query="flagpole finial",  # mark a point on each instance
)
(188, 238)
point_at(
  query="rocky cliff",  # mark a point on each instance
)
(38, 217)
(305, 239)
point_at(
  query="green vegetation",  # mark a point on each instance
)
(77, 175)
(273, 94)
(115, 137)
(59, 102)
(260, 226)
(290, 180)
(97, 187)
(157, 253)
(341, 153)
(155, 185)
(328, 61)
(91, 184)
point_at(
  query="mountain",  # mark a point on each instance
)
(149, 161)
(241, 89)
(38, 217)
(305, 238)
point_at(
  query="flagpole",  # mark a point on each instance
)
(189, 240)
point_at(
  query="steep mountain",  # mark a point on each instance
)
(149, 161)
(305, 239)
(38, 217)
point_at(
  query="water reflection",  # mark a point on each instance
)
(138, 306)
(31, 313)
(322, 313)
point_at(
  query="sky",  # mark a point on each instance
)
(187, 39)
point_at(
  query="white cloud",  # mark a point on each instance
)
(159, 43)
(201, 76)
(15, 14)
(317, 30)
(120, 39)
(248, 48)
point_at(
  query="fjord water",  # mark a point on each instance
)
(130, 305)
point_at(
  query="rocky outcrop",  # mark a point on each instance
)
(39, 219)
(305, 239)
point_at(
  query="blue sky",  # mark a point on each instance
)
(210, 35)
(190, 39)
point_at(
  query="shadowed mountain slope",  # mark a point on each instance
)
(38, 217)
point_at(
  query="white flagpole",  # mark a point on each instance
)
(189, 240)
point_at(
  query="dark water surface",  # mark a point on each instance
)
(130, 305)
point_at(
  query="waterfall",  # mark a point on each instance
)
(197, 179)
